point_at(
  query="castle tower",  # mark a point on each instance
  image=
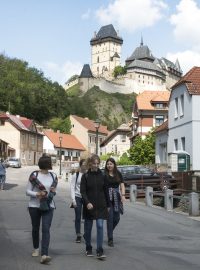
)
(106, 50)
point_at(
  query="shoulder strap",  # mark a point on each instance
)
(55, 180)
(34, 182)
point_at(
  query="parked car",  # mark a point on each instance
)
(143, 176)
(14, 162)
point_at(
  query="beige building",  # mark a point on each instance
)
(85, 131)
(117, 142)
(105, 50)
(23, 137)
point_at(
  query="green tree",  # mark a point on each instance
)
(119, 70)
(124, 160)
(64, 125)
(143, 150)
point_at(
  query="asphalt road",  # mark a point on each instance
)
(146, 238)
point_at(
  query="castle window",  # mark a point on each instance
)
(98, 59)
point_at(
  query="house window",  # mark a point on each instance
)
(159, 120)
(123, 138)
(183, 143)
(175, 145)
(182, 105)
(159, 105)
(176, 108)
(32, 140)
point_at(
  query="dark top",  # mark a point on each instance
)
(94, 190)
(113, 182)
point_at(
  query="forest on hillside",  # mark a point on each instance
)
(25, 91)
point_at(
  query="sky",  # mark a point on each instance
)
(54, 35)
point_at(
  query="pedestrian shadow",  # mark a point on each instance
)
(8, 186)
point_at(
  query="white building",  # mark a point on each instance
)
(183, 120)
(54, 142)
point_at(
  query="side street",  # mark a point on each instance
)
(147, 237)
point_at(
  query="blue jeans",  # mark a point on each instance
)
(36, 214)
(78, 210)
(113, 220)
(88, 230)
(2, 180)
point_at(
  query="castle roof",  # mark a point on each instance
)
(86, 72)
(106, 33)
(141, 52)
(144, 65)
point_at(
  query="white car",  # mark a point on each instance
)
(14, 162)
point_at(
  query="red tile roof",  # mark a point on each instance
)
(89, 124)
(191, 80)
(27, 122)
(145, 99)
(68, 141)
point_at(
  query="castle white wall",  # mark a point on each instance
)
(101, 57)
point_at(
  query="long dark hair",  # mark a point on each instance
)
(115, 170)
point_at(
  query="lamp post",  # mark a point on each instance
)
(60, 139)
(97, 125)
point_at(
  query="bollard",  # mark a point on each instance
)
(168, 199)
(149, 196)
(133, 193)
(193, 204)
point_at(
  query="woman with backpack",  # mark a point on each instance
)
(41, 189)
(77, 198)
(116, 190)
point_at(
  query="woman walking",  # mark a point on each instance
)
(41, 189)
(94, 192)
(116, 196)
(76, 197)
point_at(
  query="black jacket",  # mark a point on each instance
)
(94, 190)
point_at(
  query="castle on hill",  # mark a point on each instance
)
(144, 70)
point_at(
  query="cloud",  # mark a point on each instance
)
(186, 23)
(61, 73)
(187, 59)
(132, 14)
(86, 15)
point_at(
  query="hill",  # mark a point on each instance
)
(112, 109)
(25, 91)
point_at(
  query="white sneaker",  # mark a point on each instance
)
(35, 252)
(45, 259)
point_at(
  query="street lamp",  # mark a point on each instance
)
(97, 125)
(60, 139)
